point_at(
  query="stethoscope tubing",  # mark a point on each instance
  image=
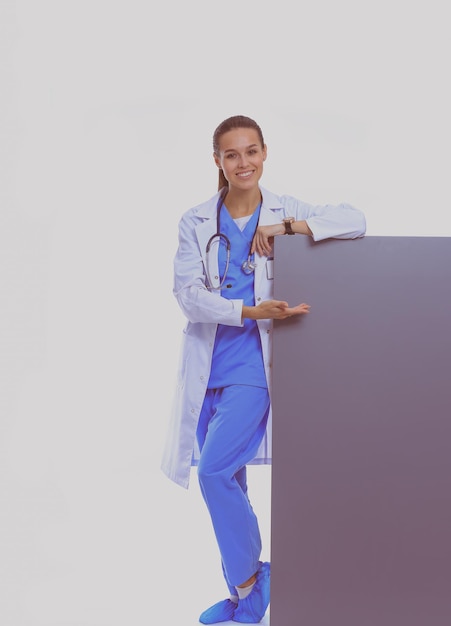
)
(248, 266)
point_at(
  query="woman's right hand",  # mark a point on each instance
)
(275, 310)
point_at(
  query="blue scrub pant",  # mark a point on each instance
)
(231, 427)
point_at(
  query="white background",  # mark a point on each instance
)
(107, 113)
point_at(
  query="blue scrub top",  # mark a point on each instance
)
(237, 353)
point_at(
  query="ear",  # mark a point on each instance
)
(217, 161)
(265, 152)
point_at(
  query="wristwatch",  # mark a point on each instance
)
(288, 221)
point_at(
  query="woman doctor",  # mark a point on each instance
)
(223, 284)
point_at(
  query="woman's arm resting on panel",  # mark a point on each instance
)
(264, 236)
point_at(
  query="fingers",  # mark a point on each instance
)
(285, 311)
(300, 309)
(262, 242)
(261, 246)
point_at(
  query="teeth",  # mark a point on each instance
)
(244, 174)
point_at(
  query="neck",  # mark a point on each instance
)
(242, 203)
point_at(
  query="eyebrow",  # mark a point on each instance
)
(253, 145)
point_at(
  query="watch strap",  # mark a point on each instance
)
(287, 222)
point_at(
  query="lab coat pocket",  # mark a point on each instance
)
(270, 268)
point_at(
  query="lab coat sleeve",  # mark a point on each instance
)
(195, 300)
(341, 221)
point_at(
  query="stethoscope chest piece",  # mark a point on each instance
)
(248, 266)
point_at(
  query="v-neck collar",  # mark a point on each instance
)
(252, 219)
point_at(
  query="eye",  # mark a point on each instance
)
(230, 155)
(252, 151)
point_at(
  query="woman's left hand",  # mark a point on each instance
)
(264, 238)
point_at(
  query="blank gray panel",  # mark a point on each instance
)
(361, 475)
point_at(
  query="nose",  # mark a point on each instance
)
(243, 160)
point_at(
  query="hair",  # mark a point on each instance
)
(231, 123)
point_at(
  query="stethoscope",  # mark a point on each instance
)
(248, 266)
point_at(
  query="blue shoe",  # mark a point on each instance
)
(252, 609)
(220, 612)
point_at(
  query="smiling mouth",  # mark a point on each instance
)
(245, 174)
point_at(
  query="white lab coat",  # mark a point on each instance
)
(204, 309)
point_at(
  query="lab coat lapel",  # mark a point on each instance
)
(204, 231)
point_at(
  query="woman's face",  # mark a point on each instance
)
(241, 157)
